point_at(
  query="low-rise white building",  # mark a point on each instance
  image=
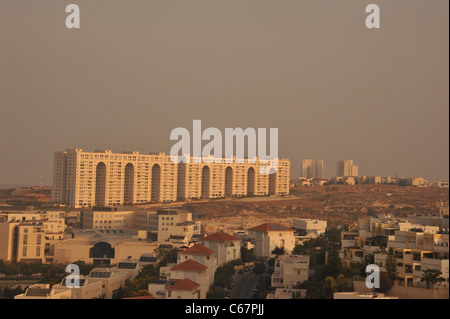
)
(44, 291)
(315, 226)
(268, 236)
(290, 271)
(202, 255)
(196, 273)
(226, 247)
(184, 289)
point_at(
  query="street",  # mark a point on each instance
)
(245, 283)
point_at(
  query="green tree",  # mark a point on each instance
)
(391, 265)
(386, 283)
(247, 255)
(149, 271)
(215, 293)
(223, 274)
(278, 251)
(166, 255)
(432, 277)
(259, 268)
(85, 268)
(334, 264)
(300, 250)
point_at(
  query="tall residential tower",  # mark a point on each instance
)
(346, 168)
(312, 168)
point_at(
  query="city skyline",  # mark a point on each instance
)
(332, 87)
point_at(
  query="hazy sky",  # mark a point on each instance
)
(135, 70)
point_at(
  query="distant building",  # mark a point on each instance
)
(44, 291)
(268, 236)
(202, 255)
(226, 247)
(167, 223)
(315, 226)
(442, 184)
(101, 283)
(346, 168)
(110, 220)
(417, 251)
(30, 236)
(184, 289)
(197, 273)
(102, 246)
(312, 168)
(419, 182)
(290, 271)
(104, 178)
(419, 243)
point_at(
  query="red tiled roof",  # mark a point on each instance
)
(271, 227)
(189, 265)
(185, 284)
(220, 236)
(198, 249)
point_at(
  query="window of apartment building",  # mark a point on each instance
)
(24, 251)
(38, 239)
(38, 251)
(25, 239)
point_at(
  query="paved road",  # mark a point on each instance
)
(245, 283)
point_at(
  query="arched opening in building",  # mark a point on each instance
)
(251, 181)
(156, 183)
(228, 181)
(129, 184)
(101, 250)
(205, 181)
(100, 184)
(272, 181)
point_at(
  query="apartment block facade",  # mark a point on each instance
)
(347, 168)
(103, 178)
(312, 168)
(290, 271)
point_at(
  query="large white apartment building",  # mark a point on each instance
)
(30, 236)
(416, 251)
(104, 178)
(418, 243)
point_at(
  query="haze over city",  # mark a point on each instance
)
(136, 70)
